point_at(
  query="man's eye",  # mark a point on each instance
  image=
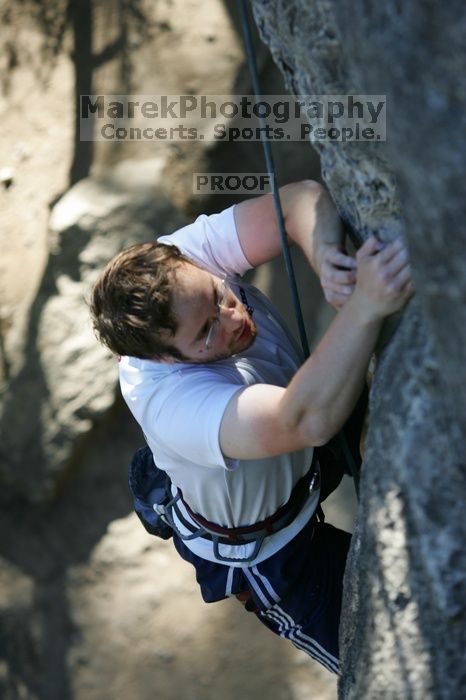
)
(205, 330)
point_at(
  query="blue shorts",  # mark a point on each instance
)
(296, 593)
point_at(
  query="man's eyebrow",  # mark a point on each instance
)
(203, 330)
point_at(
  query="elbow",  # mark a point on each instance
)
(312, 429)
(312, 188)
(302, 188)
(316, 433)
(309, 422)
(295, 192)
(318, 427)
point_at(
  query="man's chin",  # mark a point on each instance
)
(247, 342)
(252, 340)
(236, 349)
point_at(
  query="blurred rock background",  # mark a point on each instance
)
(91, 607)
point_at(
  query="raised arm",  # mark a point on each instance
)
(312, 222)
(266, 420)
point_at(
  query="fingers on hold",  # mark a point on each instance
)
(346, 289)
(371, 246)
(400, 261)
(342, 276)
(339, 288)
(407, 291)
(390, 268)
(335, 299)
(342, 260)
(392, 250)
(403, 275)
(396, 284)
(366, 247)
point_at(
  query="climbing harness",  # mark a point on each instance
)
(250, 53)
(163, 510)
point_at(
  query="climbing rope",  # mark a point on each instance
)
(250, 53)
(273, 178)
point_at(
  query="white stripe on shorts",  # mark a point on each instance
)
(229, 583)
(289, 629)
(274, 596)
(256, 588)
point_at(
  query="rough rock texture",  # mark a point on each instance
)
(54, 394)
(403, 626)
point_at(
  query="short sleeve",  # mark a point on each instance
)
(212, 242)
(184, 417)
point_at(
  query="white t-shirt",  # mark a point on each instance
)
(180, 406)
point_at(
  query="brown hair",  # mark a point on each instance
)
(131, 302)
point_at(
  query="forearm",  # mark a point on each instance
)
(322, 394)
(311, 220)
(313, 223)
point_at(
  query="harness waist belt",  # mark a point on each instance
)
(251, 533)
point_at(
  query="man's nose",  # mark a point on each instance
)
(231, 319)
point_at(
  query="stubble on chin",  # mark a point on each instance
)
(227, 353)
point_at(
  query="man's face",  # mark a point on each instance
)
(195, 306)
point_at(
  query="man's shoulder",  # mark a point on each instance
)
(211, 242)
(137, 374)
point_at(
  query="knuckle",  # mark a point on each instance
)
(385, 276)
(392, 287)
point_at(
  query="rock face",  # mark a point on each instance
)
(54, 394)
(403, 625)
